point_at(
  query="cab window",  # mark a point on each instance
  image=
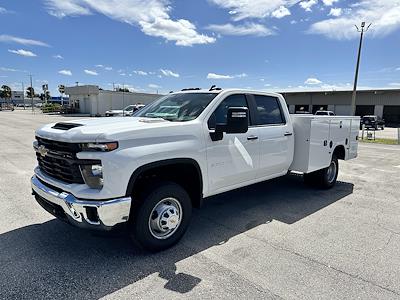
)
(219, 116)
(268, 110)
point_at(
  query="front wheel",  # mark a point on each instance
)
(161, 218)
(324, 178)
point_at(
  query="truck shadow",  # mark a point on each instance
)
(55, 260)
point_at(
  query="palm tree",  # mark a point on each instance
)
(5, 93)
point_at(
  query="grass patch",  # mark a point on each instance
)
(380, 141)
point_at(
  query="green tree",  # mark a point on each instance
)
(5, 92)
(47, 95)
(125, 90)
(30, 92)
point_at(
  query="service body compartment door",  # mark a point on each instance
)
(320, 156)
(353, 139)
(311, 150)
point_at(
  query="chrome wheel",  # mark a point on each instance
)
(331, 172)
(165, 218)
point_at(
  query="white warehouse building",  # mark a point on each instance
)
(90, 99)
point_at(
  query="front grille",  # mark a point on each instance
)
(60, 161)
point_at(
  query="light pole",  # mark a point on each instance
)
(32, 94)
(353, 99)
(23, 93)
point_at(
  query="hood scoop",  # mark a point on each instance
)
(66, 126)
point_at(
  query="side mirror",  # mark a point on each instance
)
(237, 122)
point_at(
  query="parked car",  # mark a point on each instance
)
(148, 171)
(127, 111)
(324, 113)
(373, 122)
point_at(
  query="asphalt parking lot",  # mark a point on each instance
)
(278, 239)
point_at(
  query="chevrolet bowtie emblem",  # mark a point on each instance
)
(42, 150)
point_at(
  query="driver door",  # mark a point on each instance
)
(233, 160)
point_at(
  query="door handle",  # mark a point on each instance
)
(252, 138)
(288, 133)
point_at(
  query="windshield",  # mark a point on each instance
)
(128, 108)
(178, 107)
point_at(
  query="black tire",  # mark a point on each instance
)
(310, 179)
(142, 233)
(324, 178)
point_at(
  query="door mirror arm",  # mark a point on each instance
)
(218, 133)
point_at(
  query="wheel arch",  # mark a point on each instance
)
(340, 152)
(183, 171)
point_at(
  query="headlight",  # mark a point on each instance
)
(105, 147)
(93, 175)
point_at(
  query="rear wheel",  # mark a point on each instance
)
(161, 218)
(324, 178)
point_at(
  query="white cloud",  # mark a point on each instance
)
(91, 72)
(23, 52)
(9, 69)
(383, 14)
(58, 56)
(182, 32)
(335, 12)
(4, 38)
(153, 17)
(395, 84)
(281, 12)
(240, 30)
(169, 73)
(5, 11)
(219, 76)
(141, 73)
(307, 5)
(243, 9)
(329, 2)
(104, 67)
(312, 81)
(154, 86)
(398, 69)
(65, 72)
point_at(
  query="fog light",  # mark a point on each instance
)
(93, 175)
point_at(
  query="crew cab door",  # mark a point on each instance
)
(275, 135)
(233, 160)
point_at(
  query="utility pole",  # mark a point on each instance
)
(353, 99)
(23, 94)
(32, 93)
(123, 99)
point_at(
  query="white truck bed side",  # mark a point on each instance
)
(316, 137)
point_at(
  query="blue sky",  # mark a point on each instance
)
(161, 45)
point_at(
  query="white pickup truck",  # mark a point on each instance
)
(149, 170)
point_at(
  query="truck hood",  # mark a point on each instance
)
(100, 129)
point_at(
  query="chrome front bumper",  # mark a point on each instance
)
(103, 215)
